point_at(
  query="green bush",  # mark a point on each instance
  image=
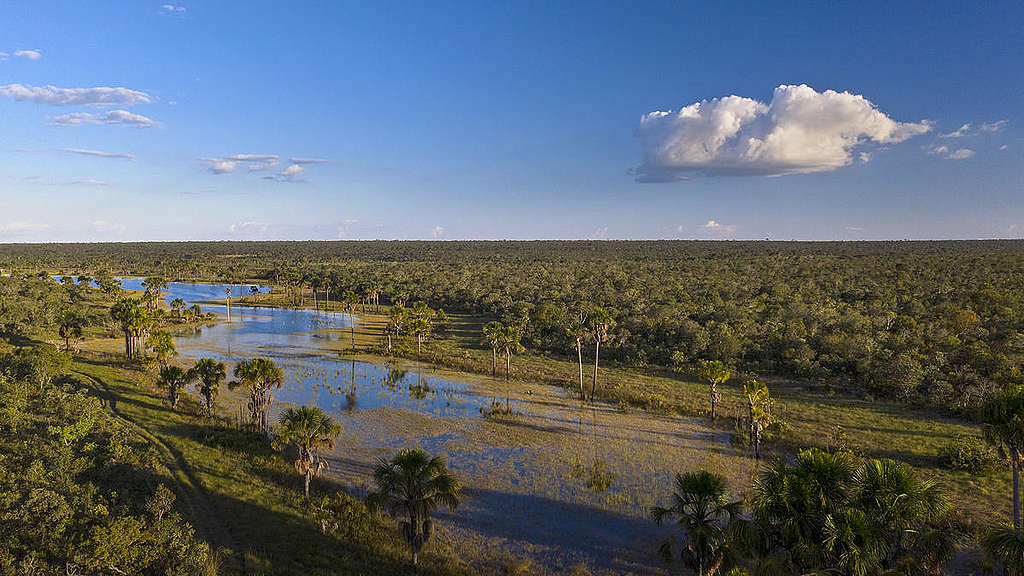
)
(970, 454)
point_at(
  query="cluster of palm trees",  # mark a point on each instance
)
(418, 321)
(506, 339)
(206, 372)
(820, 513)
(830, 512)
(595, 325)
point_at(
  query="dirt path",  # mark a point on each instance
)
(201, 512)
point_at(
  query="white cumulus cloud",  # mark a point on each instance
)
(107, 118)
(172, 9)
(799, 131)
(960, 154)
(99, 96)
(715, 226)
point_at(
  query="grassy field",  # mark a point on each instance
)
(241, 496)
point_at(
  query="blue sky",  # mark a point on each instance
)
(260, 120)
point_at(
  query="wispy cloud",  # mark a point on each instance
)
(98, 153)
(966, 130)
(107, 227)
(960, 132)
(28, 54)
(17, 227)
(308, 160)
(799, 131)
(88, 182)
(853, 228)
(949, 154)
(437, 232)
(996, 126)
(960, 154)
(107, 118)
(99, 96)
(172, 9)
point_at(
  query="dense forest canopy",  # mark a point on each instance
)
(938, 322)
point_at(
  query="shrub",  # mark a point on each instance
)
(970, 454)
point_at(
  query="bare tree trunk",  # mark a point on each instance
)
(714, 399)
(494, 361)
(597, 354)
(1016, 498)
(508, 364)
(579, 356)
(309, 474)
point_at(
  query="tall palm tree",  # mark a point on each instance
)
(510, 341)
(492, 337)
(135, 321)
(412, 485)
(577, 332)
(759, 403)
(154, 285)
(309, 429)
(1003, 419)
(600, 324)
(349, 300)
(174, 379)
(260, 376)
(703, 511)
(209, 373)
(714, 372)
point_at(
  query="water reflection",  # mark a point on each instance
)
(296, 341)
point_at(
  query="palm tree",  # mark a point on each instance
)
(162, 344)
(178, 305)
(227, 295)
(1006, 546)
(791, 503)
(492, 337)
(899, 505)
(759, 404)
(397, 317)
(600, 324)
(349, 300)
(135, 321)
(703, 510)
(209, 373)
(309, 429)
(154, 285)
(174, 379)
(1003, 419)
(70, 328)
(577, 332)
(509, 339)
(412, 485)
(714, 373)
(260, 376)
